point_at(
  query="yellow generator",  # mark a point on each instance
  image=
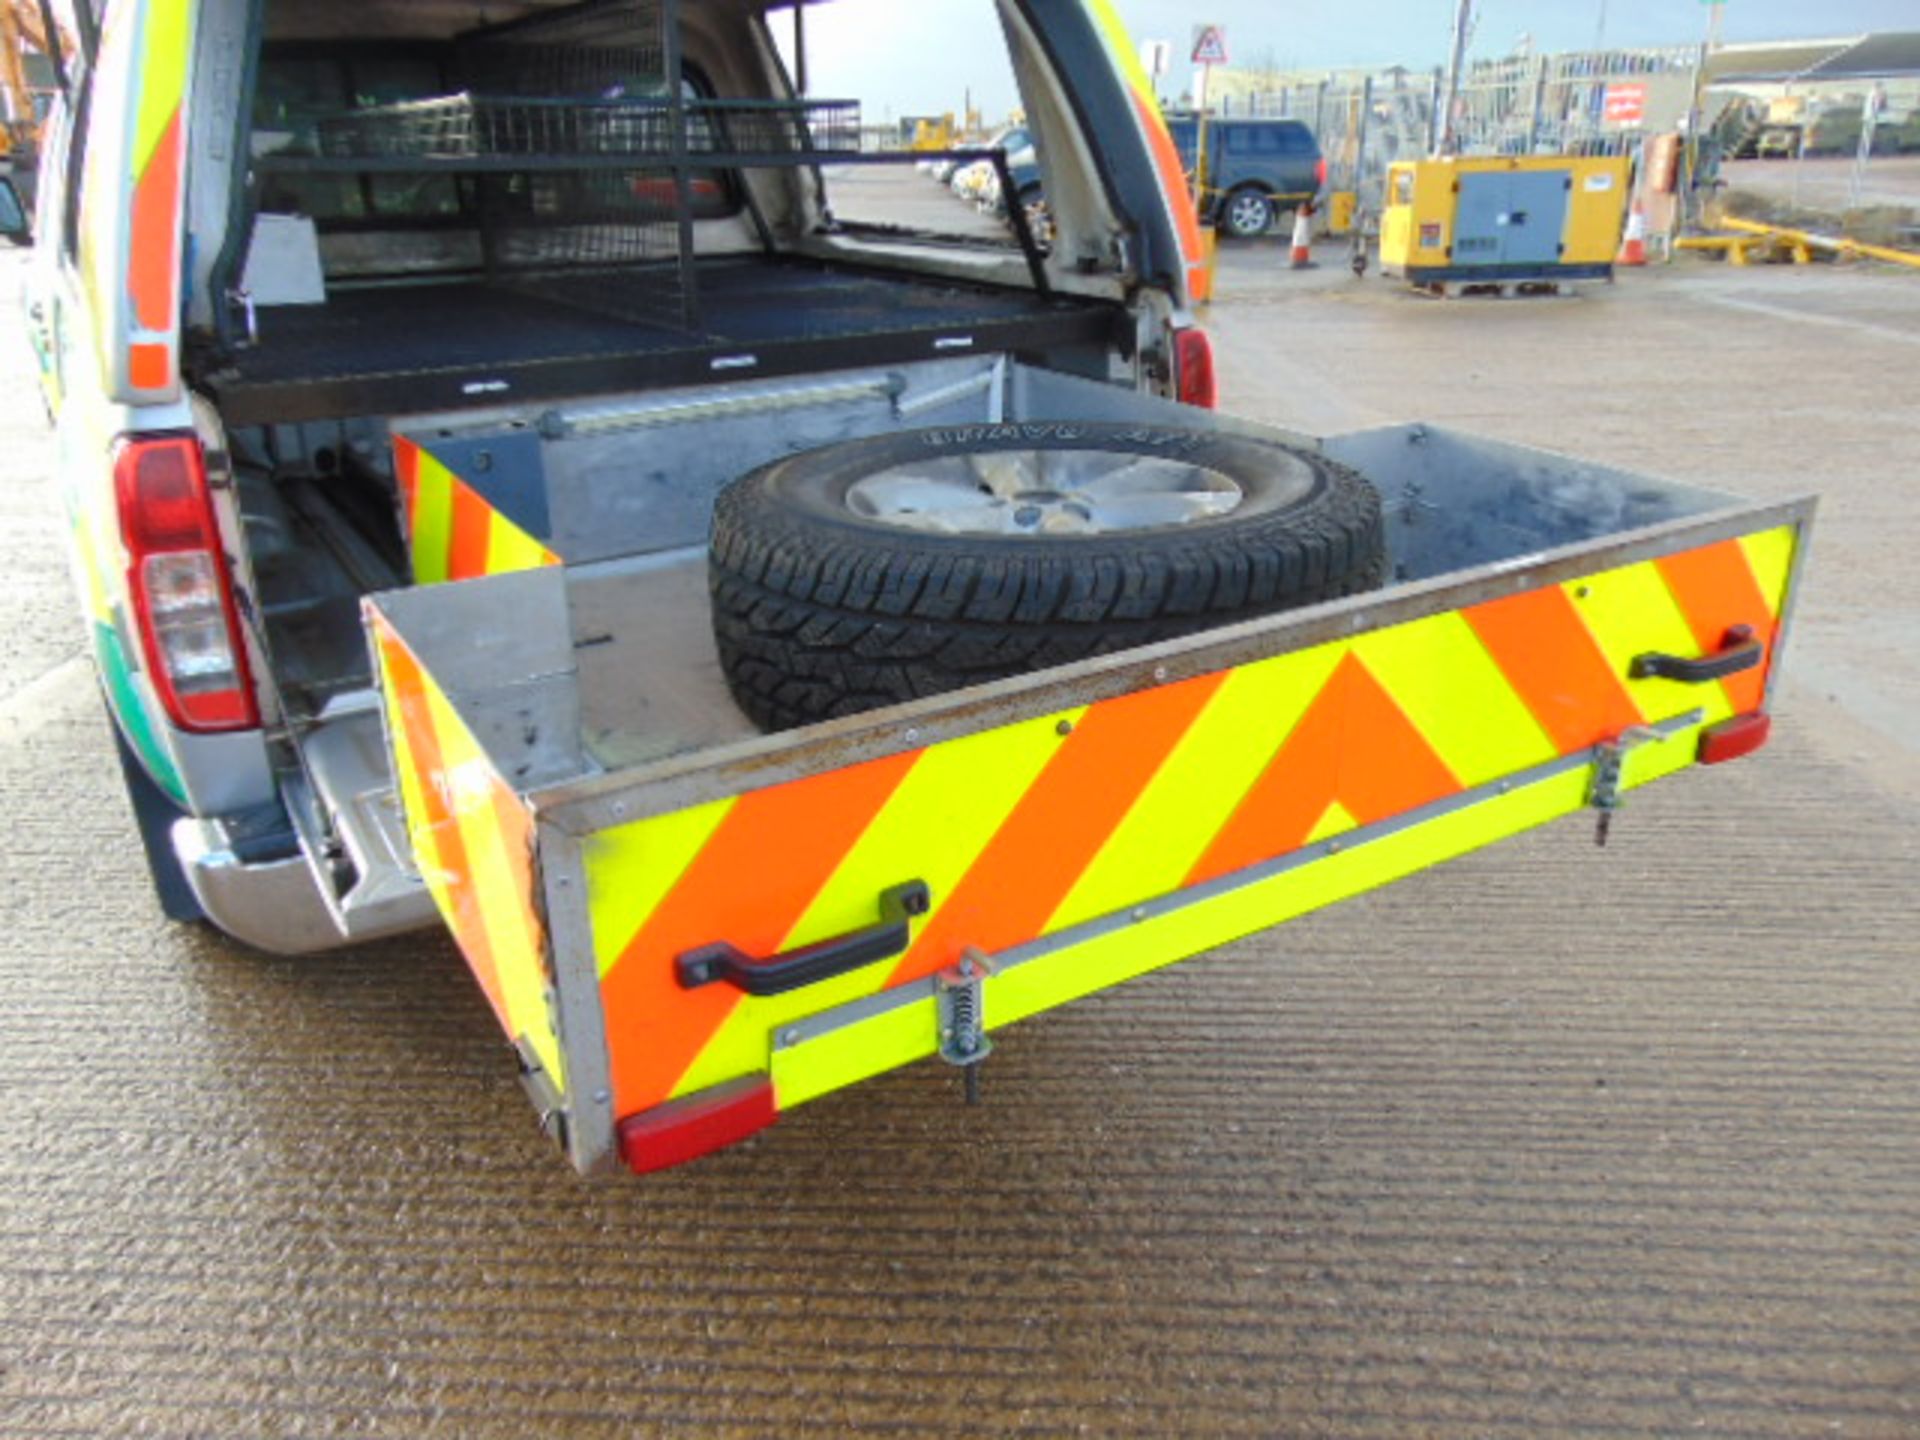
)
(1500, 220)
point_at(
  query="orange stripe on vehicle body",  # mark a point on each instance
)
(753, 879)
(154, 263)
(1053, 834)
(1173, 180)
(435, 829)
(149, 366)
(497, 885)
(467, 545)
(1548, 655)
(406, 472)
(1716, 590)
(1353, 746)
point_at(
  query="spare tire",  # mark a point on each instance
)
(877, 571)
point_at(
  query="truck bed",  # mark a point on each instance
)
(443, 346)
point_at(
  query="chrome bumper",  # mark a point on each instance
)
(280, 905)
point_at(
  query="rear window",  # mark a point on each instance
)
(1257, 138)
(943, 60)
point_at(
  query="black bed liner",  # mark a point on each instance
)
(438, 346)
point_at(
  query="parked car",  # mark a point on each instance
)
(1029, 189)
(1255, 169)
(951, 172)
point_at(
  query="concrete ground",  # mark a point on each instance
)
(1553, 1141)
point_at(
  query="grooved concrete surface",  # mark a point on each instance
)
(1549, 1142)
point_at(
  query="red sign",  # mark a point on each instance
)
(1209, 44)
(1626, 104)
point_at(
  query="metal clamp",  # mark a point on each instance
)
(1609, 761)
(961, 1010)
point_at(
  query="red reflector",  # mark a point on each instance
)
(696, 1125)
(1731, 739)
(1320, 171)
(1194, 380)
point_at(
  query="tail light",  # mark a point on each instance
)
(177, 577)
(1320, 172)
(1193, 377)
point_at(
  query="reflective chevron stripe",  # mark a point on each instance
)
(1028, 830)
(473, 841)
(452, 533)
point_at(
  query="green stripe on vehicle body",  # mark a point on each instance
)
(124, 702)
(123, 699)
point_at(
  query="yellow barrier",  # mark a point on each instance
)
(1839, 246)
(1741, 249)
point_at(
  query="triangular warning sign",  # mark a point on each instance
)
(1209, 44)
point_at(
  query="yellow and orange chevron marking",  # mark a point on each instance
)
(452, 533)
(1036, 826)
(473, 840)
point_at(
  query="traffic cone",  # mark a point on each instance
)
(1633, 249)
(1303, 237)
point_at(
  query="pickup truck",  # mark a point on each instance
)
(1253, 169)
(508, 490)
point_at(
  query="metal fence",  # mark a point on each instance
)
(1516, 105)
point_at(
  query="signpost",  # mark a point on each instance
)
(1156, 58)
(1209, 50)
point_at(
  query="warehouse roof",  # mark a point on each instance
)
(1881, 56)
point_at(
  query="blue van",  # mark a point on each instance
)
(1254, 170)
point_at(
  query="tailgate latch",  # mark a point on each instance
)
(962, 1017)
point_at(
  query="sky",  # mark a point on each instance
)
(916, 57)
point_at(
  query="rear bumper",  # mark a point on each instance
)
(277, 905)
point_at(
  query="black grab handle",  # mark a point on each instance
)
(819, 961)
(1740, 649)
